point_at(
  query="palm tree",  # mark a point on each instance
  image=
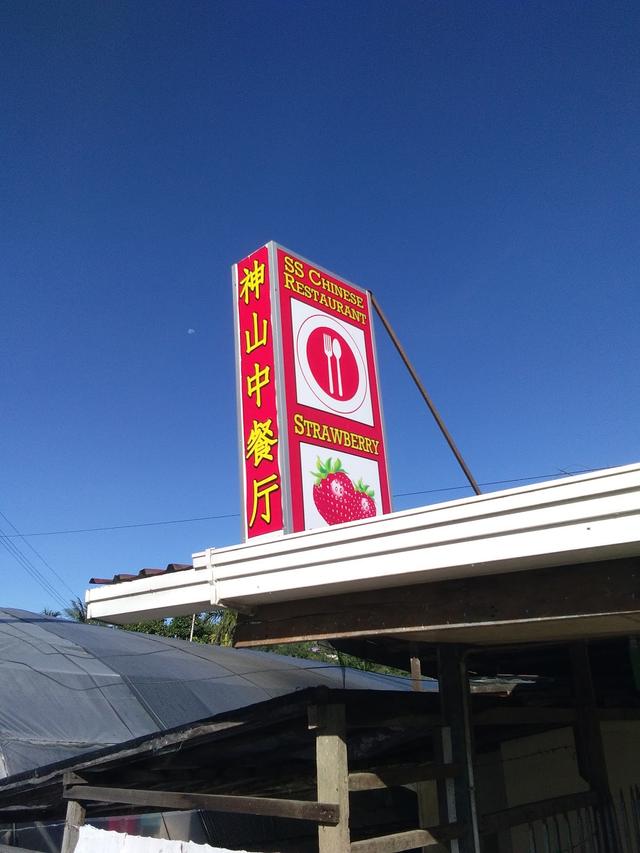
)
(77, 610)
(47, 611)
(223, 627)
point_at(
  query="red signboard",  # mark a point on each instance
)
(257, 392)
(313, 450)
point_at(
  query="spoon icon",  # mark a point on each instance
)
(337, 351)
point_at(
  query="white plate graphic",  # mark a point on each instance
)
(307, 327)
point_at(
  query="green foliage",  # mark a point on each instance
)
(77, 610)
(224, 628)
(152, 626)
(215, 626)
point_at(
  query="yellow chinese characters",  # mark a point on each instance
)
(262, 492)
(257, 381)
(261, 440)
(259, 339)
(252, 281)
(261, 437)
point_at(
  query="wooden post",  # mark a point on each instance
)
(427, 803)
(589, 747)
(457, 796)
(427, 807)
(333, 773)
(75, 819)
(592, 763)
(416, 667)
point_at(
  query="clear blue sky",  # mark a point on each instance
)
(477, 165)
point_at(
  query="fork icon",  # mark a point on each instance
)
(328, 351)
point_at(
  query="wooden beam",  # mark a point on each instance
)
(407, 721)
(166, 741)
(75, 819)
(329, 724)
(400, 774)
(398, 842)
(319, 812)
(588, 589)
(428, 806)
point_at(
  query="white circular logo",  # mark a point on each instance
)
(329, 361)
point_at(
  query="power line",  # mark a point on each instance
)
(126, 526)
(499, 482)
(37, 553)
(25, 563)
(237, 514)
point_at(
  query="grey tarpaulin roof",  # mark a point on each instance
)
(68, 687)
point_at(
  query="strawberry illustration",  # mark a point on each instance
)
(365, 500)
(333, 492)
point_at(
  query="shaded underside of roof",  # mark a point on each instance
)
(267, 749)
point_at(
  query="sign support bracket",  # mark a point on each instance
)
(425, 396)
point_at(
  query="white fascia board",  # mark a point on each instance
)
(593, 516)
(590, 517)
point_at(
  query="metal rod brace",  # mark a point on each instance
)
(425, 396)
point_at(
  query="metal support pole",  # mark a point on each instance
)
(457, 796)
(425, 396)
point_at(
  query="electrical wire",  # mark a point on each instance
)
(37, 553)
(127, 526)
(499, 482)
(237, 514)
(25, 563)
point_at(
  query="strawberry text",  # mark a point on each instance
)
(334, 435)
